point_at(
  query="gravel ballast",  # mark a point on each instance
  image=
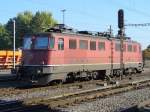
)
(114, 103)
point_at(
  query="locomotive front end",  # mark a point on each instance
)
(36, 58)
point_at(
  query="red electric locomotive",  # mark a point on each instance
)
(64, 55)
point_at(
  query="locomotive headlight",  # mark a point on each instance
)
(38, 71)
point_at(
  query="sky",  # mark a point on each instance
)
(91, 15)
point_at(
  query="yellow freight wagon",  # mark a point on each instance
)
(6, 58)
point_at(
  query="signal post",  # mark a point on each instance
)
(121, 35)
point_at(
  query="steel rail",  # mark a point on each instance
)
(90, 94)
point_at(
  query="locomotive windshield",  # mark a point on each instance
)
(41, 43)
(27, 43)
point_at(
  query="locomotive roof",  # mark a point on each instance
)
(81, 35)
(62, 29)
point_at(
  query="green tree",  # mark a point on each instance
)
(42, 21)
(5, 39)
(23, 21)
(27, 23)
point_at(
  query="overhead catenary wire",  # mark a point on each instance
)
(139, 24)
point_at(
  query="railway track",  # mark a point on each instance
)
(18, 106)
(68, 99)
(77, 97)
(19, 86)
(21, 94)
(48, 102)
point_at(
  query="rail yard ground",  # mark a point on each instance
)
(14, 98)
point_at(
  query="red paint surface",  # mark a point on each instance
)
(79, 56)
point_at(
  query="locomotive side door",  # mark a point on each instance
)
(61, 50)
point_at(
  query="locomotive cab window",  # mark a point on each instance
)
(60, 44)
(51, 42)
(92, 45)
(72, 44)
(83, 44)
(27, 43)
(41, 42)
(101, 45)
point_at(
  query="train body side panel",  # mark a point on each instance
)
(57, 63)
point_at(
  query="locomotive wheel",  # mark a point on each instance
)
(134, 71)
(55, 82)
(95, 75)
(118, 73)
(126, 72)
(139, 71)
(130, 71)
(70, 78)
